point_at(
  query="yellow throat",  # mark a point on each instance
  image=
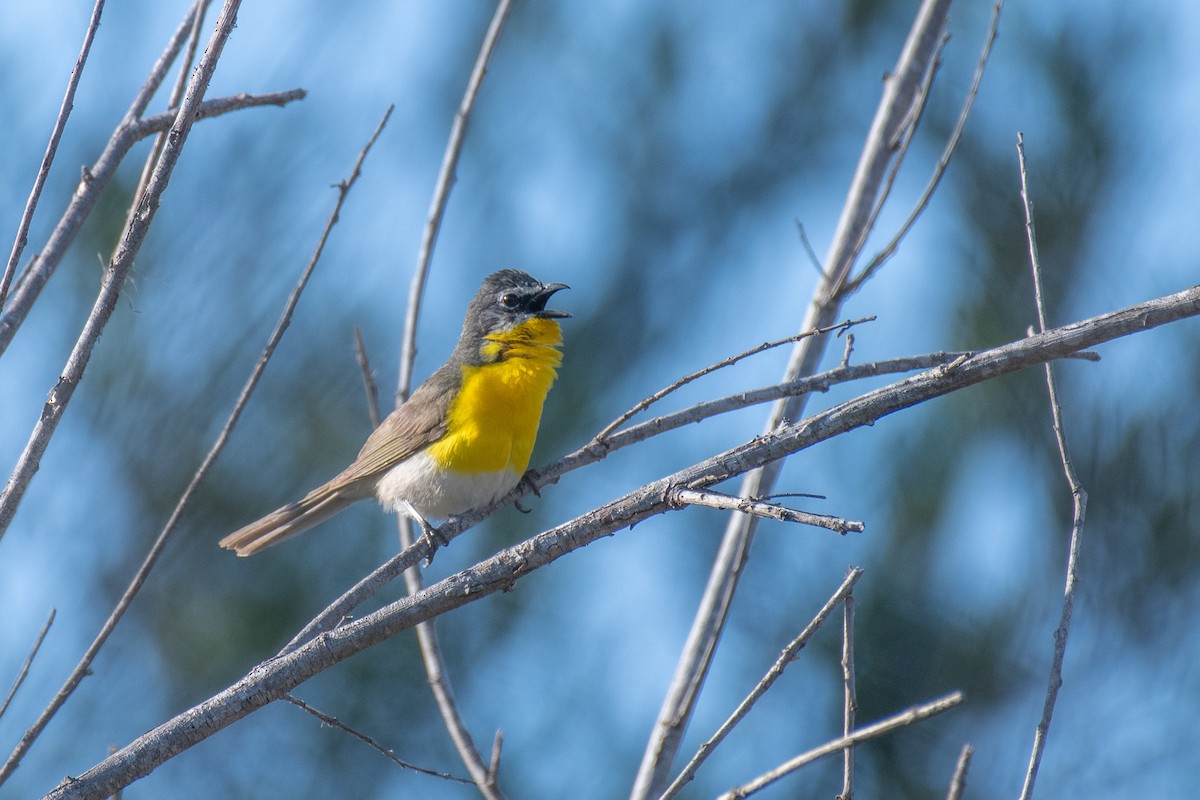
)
(493, 422)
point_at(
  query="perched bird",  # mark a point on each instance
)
(465, 435)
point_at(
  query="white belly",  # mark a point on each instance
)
(437, 495)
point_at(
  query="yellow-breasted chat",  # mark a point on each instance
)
(465, 435)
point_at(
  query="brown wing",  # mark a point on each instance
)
(417, 423)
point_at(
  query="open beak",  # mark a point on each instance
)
(538, 304)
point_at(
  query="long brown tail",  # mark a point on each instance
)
(295, 518)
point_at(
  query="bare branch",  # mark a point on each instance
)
(958, 782)
(786, 657)
(275, 677)
(943, 162)
(185, 66)
(83, 668)
(894, 106)
(24, 671)
(1079, 500)
(334, 722)
(441, 194)
(686, 379)
(681, 497)
(887, 725)
(60, 124)
(850, 705)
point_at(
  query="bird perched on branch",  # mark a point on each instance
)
(464, 437)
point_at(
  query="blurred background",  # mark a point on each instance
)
(656, 157)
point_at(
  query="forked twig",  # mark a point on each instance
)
(886, 725)
(60, 124)
(1078, 497)
(786, 657)
(943, 162)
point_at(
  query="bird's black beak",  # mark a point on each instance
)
(538, 304)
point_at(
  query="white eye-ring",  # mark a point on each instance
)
(509, 300)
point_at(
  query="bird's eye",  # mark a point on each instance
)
(509, 300)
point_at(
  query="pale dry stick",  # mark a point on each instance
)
(943, 163)
(334, 722)
(370, 387)
(441, 195)
(899, 91)
(269, 680)
(485, 777)
(185, 65)
(904, 136)
(850, 706)
(958, 781)
(840, 328)
(60, 124)
(873, 731)
(696, 497)
(1079, 500)
(86, 195)
(83, 668)
(24, 671)
(789, 654)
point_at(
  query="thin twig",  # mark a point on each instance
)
(370, 387)
(903, 138)
(850, 705)
(808, 249)
(943, 162)
(1079, 502)
(727, 362)
(84, 666)
(785, 658)
(334, 722)
(958, 781)
(697, 497)
(60, 124)
(887, 725)
(441, 195)
(24, 671)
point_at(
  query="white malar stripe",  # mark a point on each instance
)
(437, 494)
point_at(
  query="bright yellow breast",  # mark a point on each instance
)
(494, 420)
